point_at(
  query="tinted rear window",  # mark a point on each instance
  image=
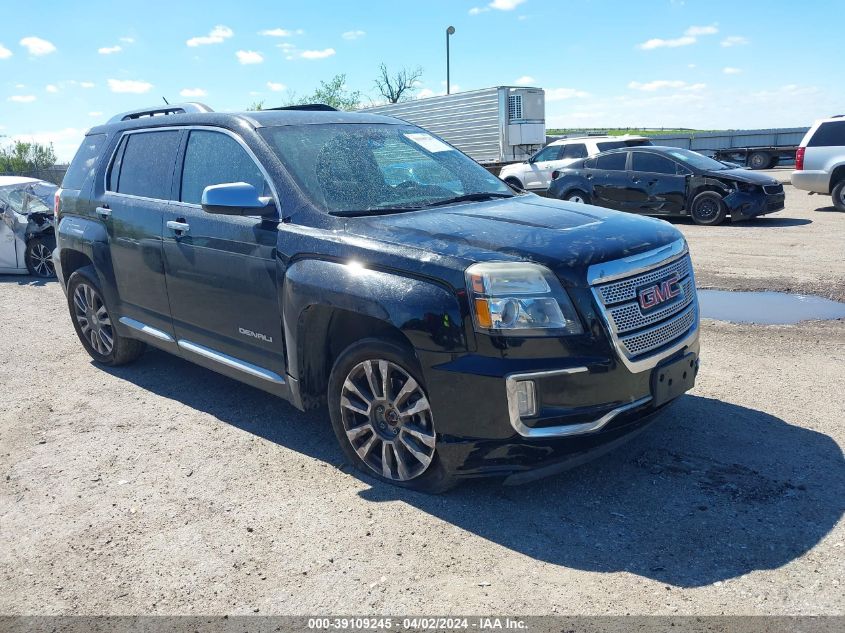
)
(829, 135)
(607, 145)
(84, 164)
(612, 162)
(148, 164)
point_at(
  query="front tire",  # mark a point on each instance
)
(92, 321)
(39, 258)
(382, 418)
(838, 195)
(708, 209)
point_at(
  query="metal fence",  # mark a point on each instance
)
(53, 174)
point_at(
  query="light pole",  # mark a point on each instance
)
(449, 31)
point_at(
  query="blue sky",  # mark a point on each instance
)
(690, 63)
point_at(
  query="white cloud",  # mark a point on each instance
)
(656, 42)
(477, 10)
(657, 84)
(561, 94)
(20, 86)
(51, 88)
(326, 52)
(353, 35)
(730, 70)
(695, 31)
(5, 53)
(425, 93)
(690, 36)
(86, 84)
(95, 114)
(249, 57)
(525, 80)
(108, 50)
(192, 92)
(127, 40)
(280, 32)
(276, 87)
(36, 46)
(129, 85)
(734, 40)
(21, 98)
(505, 5)
(216, 36)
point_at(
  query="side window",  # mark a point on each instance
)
(830, 134)
(114, 171)
(575, 150)
(550, 152)
(652, 163)
(214, 158)
(83, 164)
(147, 165)
(590, 164)
(612, 162)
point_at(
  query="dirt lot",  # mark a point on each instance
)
(162, 487)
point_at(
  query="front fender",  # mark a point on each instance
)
(428, 314)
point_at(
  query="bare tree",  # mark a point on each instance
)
(399, 85)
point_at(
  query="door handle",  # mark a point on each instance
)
(104, 212)
(180, 228)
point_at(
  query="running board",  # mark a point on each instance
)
(231, 361)
(146, 329)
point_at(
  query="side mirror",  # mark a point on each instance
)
(236, 198)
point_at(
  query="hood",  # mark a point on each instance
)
(744, 175)
(564, 236)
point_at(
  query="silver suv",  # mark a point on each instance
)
(820, 160)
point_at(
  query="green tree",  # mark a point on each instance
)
(256, 105)
(23, 157)
(333, 93)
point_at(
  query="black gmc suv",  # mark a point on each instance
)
(454, 327)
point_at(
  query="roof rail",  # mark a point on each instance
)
(314, 107)
(175, 108)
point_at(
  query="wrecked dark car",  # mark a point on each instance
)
(27, 238)
(668, 181)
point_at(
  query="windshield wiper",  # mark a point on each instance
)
(470, 197)
(353, 213)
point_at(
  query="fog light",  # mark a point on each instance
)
(526, 399)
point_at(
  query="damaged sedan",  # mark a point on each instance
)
(27, 238)
(668, 181)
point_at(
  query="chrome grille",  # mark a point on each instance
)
(639, 336)
(626, 289)
(629, 317)
(651, 339)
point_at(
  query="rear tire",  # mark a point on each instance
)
(372, 423)
(708, 209)
(92, 320)
(759, 160)
(838, 195)
(39, 258)
(577, 196)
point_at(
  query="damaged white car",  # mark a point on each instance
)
(27, 238)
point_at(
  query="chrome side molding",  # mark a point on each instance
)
(147, 329)
(231, 361)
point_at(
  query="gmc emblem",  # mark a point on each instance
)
(661, 292)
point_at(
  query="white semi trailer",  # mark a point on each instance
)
(496, 125)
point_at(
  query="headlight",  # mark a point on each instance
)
(519, 299)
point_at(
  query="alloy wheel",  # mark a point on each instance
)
(42, 260)
(707, 209)
(576, 198)
(387, 419)
(93, 318)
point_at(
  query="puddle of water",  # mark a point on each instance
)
(769, 308)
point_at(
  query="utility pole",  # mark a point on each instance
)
(449, 31)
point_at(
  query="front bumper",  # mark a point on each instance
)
(744, 206)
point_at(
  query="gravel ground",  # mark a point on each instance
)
(164, 488)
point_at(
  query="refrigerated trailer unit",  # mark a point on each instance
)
(497, 125)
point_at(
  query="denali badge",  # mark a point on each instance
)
(258, 335)
(652, 296)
